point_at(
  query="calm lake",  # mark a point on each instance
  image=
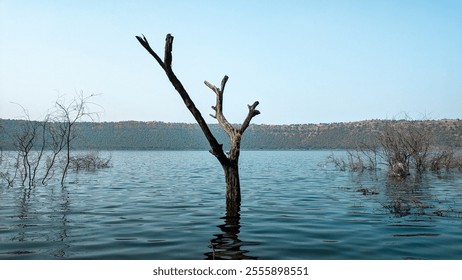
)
(171, 205)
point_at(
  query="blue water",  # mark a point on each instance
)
(170, 205)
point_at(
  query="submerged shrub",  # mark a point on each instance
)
(404, 147)
(89, 161)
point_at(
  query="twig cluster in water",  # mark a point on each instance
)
(43, 148)
(89, 161)
(404, 147)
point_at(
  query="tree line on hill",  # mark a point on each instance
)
(135, 135)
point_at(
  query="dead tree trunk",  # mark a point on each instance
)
(229, 161)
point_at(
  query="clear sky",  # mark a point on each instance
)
(305, 61)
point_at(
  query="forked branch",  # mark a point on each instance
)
(252, 113)
(144, 42)
(167, 63)
(216, 148)
(218, 108)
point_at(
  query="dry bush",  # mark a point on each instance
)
(89, 161)
(403, 146)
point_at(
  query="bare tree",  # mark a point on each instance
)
(394, 148)
(24, 143)
(47, 139)
(30, 144)
(228, 161)
(67, 116)
(57, 138)
(406, 144)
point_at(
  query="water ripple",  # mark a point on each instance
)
(170, 205)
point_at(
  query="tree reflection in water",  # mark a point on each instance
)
(52, 217)
(409, 196)
(226, 245)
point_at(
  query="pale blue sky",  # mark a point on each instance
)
(305, 61)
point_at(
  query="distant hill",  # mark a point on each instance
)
(134, 135)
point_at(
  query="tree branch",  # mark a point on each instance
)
(229, 129)
(216, 148)
(168, 51)
(252, 113)
(144, 42)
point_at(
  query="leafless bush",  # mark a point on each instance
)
(446, 159)
(68, 114)
(356, 161)
(362, 159)
(409, 146)
(406, 145)
(30, 143)
(89, 161)
(403, 146)
(43, 148)
(338, 162)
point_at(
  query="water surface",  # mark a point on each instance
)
(170, 205)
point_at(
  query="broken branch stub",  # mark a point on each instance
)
(168, 51)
